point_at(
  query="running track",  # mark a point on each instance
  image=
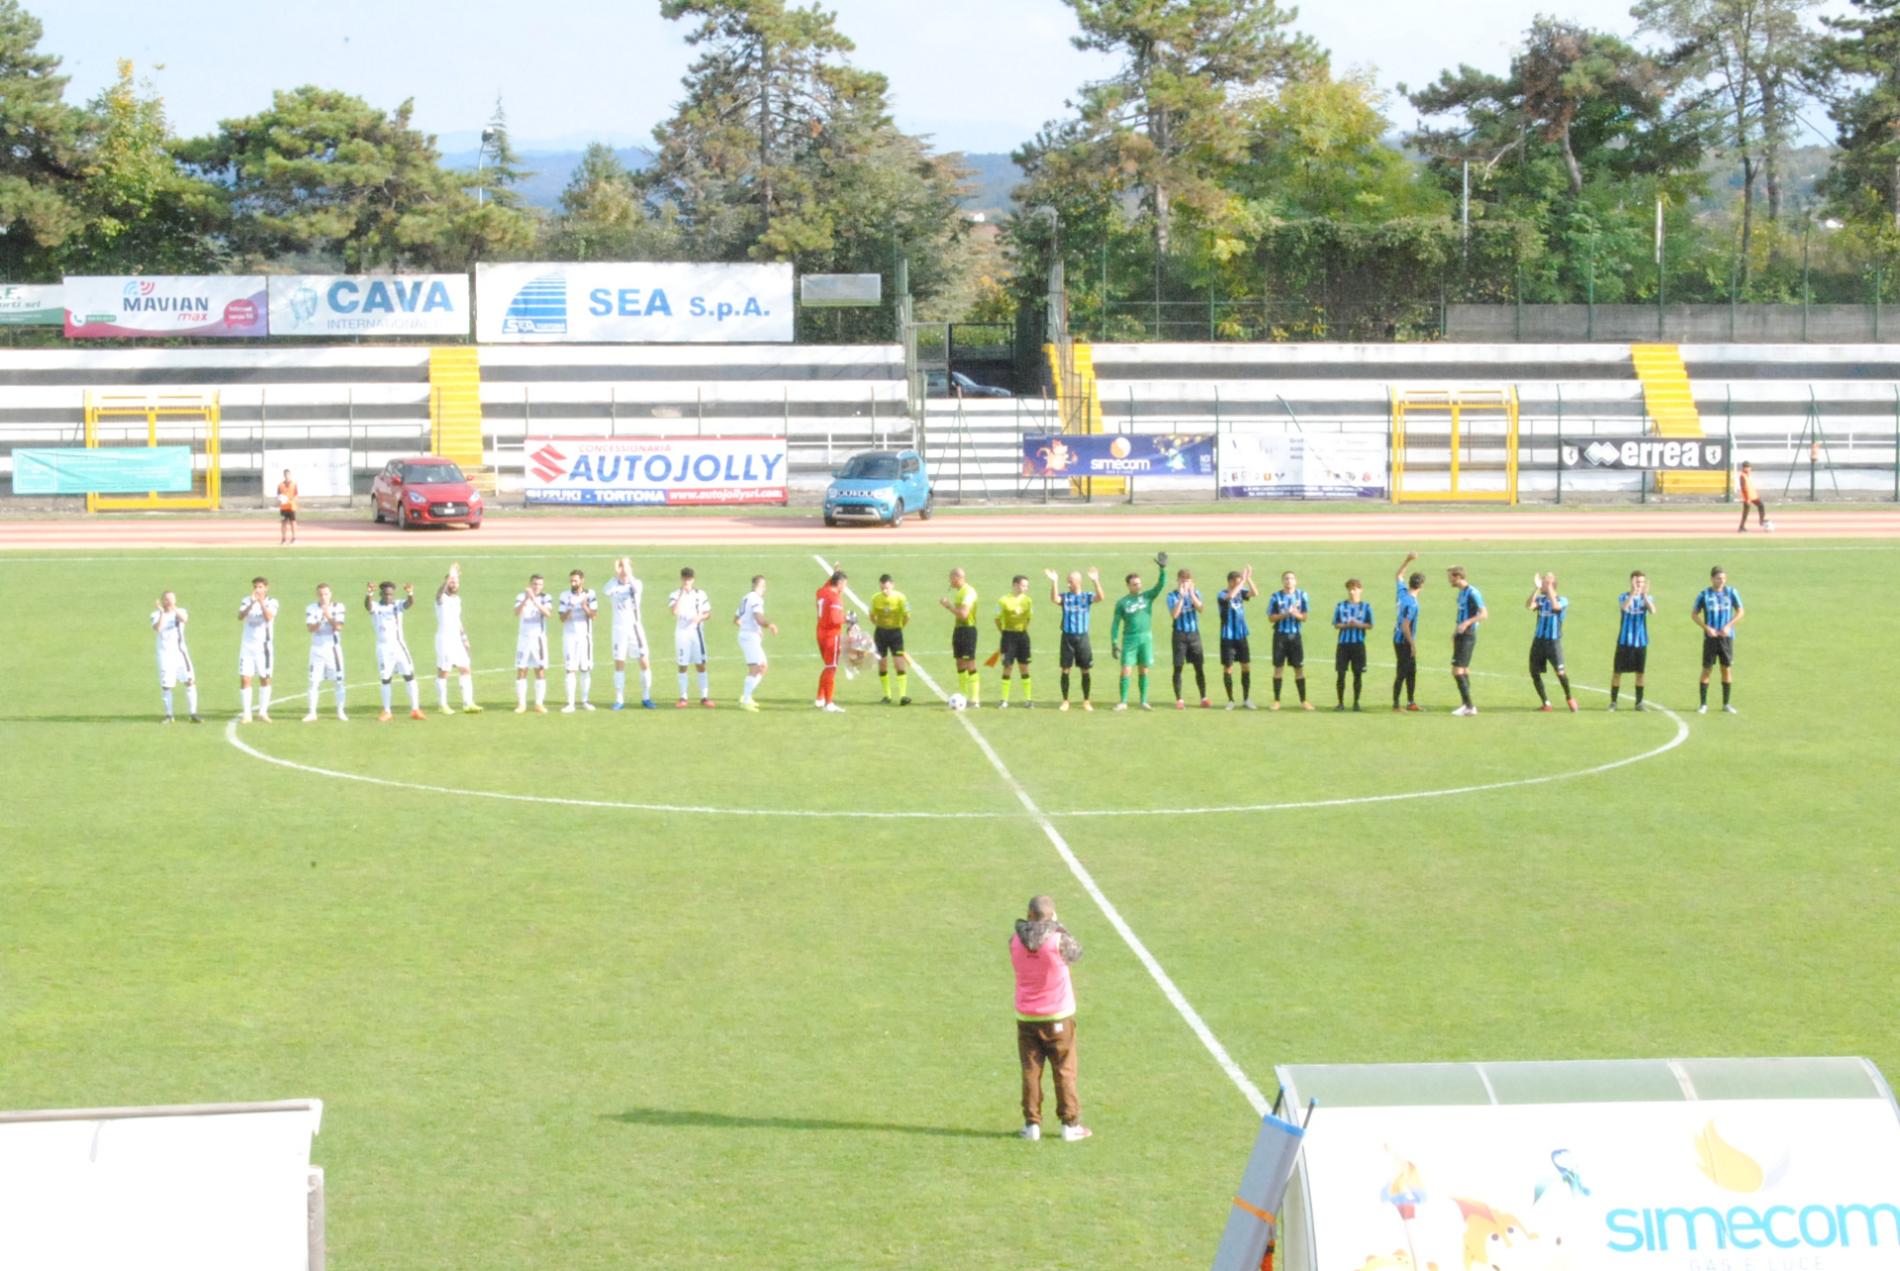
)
(169, 531)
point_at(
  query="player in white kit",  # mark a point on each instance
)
(257, 649)
(392, 648)
(690, 608)
(579, 607)
(623, 594)
(531, 646)
(174, 659)
(451, 645)
(753, 625)
(323, 618)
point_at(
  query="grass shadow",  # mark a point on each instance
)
(689, 1119)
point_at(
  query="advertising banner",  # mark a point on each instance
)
(1645, 454)
(1102, 455)
(319, 473)
(633, 303)
(164, 306)
(655, 471)
(1714, 1184)
(32, 304)
(105, 470)
(368, 304)
(1276, 466)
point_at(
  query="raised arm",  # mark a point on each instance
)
(1405, 565)
(1095, 577)
(1055, 596)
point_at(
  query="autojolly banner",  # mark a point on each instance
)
(684, 471)
(622, 303)
(164, 306)
(378, 304)
(1133, 455)
(1645, 454)
(1715, 1185)
(1276, 466)
(32, 305)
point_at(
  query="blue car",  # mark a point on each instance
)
(879, 486)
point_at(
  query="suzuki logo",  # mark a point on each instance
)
(548, 464)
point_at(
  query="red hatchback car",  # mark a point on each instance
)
(424, 490)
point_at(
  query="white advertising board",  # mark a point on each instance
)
(319, 473)
(148, 306)
(655, 471)
(368, 304)
(1302, 466)
(633, 303)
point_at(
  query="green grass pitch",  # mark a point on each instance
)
(554, 1034)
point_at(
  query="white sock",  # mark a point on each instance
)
(316, 682)
(468, 689)
(339, 698)
(191, 697)
(541, 691)
(587, 685)
(570, 688)
(521, 692)
(646, 683)
(685, 683)
(442, 692)
(168, 701)
(620, 686)
(751, 682)
(415, 694)
(245, 693)
(263, 699)
(385, 697)
(705, 685)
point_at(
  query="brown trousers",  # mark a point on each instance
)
(1051, 1042)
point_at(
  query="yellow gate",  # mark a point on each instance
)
(174, 419)
(1475, 428)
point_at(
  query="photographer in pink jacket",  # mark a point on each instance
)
(1040, 952)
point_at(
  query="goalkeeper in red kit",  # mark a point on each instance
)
(830, 638)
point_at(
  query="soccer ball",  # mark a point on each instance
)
(958, 701)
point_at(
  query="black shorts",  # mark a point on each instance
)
(1235, 650)
(963, 643)
(289, 514)
(1631, 657)
(1076, 651)
(1462, 647)
(1187, 648)
(1718, 649)
(1288, 650)
(1015, 647)
(888, 641)
(1350, 657)
(1407, 661)
(1546, 653)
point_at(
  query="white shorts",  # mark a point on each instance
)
(254, 662)
(689, 647)
(393, 660)
(174, 668)
(752, 648)
(577, 652)
(630, 643)
(531, 653)
(450, 653)
(327, 664)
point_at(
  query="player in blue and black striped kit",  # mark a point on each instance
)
(1352, 618)
(1632, 637)
(1464, 635)
(1234, 646)
(1547, 639)
(1717, 609)
(1405, 633)
(1286, 610)
(1075, 603)
(1184, 607)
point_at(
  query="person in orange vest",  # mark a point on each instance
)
(1751, 495)
(287, 509)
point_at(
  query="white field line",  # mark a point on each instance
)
(1169, 989)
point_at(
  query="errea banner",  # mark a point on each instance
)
(164, 306)
(369, 304)
(1646, 454)
(655, 471)
(633, 303)
(1709, 1185)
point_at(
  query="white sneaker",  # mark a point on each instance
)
(1730, 710)
(1248, 705)
(1031, 1132)
(1075, 1133)
(1002, 706)
(1121, 706)
(832, 708)
(587, 706)
(311, 718)
(1769, 526)
(1230, 706)
(1702, 709)
(1145, 706)
(568, 709)
(341, 718)
(1461, 710)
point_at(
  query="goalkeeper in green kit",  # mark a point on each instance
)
(1131, 632)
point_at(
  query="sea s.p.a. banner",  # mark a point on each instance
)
(623, 302)
(164, 306)
(655, 471)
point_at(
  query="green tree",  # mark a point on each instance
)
(484, 219)
(1860, 59)
(1317, 148)
(40, 138)
(601, 215)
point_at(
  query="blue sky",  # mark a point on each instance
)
(979, 75)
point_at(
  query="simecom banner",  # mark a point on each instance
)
(369, 304)
(633, 303)
(162, 306)
(655, 471)
(1112, 455)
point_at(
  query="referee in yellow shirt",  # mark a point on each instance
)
(1012, 619)
(961, 602)
(890, 614)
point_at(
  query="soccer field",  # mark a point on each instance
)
(690, 988)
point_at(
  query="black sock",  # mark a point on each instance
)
(1177, 683)
(1398, 682)
(1299, 682)
(1411, 684)
(1358, 678)
(1726, 686)
(1537, 682)
(1065, 686)
(1227, 678)
(1564, 680)
(1246, 686)
(1613, 692)
(1085, 686)
(1639, 694)
(1276, 688)
(1200, 679)
(1339, 687)
(1464, 689)
(1705, 692)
